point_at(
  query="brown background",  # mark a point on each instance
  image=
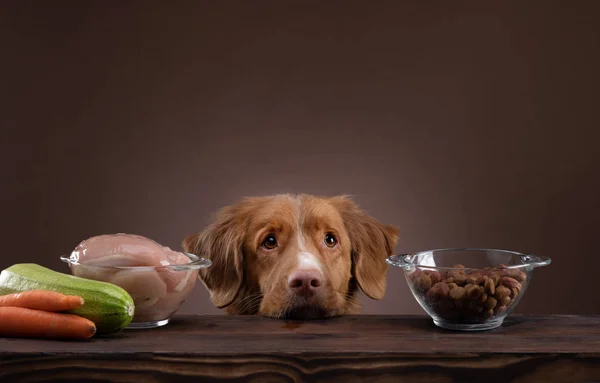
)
(463, 123)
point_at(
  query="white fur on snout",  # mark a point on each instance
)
(308, 261)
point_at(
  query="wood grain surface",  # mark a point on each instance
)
(346, 349)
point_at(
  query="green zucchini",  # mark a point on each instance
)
(110, 307)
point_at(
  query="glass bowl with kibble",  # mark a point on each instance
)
(468, 289)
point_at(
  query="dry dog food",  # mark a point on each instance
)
(468, 296)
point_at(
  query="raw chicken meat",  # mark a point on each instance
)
(157, 289)
(125, 250)
(142, 284)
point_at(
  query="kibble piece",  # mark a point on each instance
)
(439, 290)
(452, 285)
(481, 280)
(457, 293)
(423, 282)
(414, 275)
(434, 275)
(502, 292)
(515, 291)
(459, 277)
(490, 286)
(474, 292)
(490, 303)
(517, 274)
(504, 301)
(495, 279)
(488, 313)
(509, 282)
(483, 298)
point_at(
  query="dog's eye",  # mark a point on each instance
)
(330, 240)
(270, 242)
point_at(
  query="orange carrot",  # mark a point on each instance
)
(41, 300)
(27, 323)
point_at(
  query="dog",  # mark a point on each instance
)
(293, 256)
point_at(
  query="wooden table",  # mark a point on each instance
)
(348, 349)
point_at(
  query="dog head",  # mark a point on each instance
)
(291, 256)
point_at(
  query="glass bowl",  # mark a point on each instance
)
(157, 291)
(468, 289)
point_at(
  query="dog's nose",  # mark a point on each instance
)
(305, 283)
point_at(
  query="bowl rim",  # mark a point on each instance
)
(195, 264)
(530, 261)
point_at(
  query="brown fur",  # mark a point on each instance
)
(246, 278)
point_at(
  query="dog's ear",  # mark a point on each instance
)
(371, 243)
(221, 242)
